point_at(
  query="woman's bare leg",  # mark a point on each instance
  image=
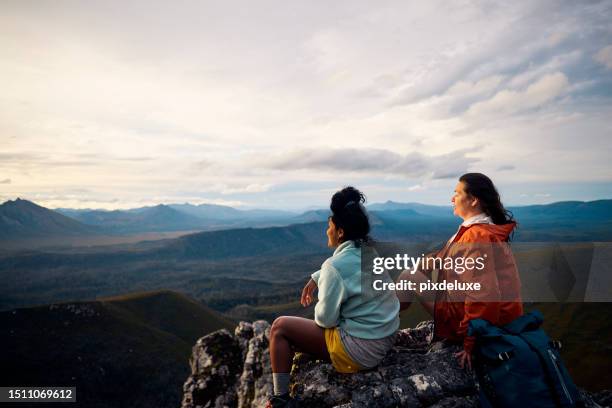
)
(290, 334)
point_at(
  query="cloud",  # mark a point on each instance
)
(45, 162)
(368, 161)
(251, 188)
(137, 109)
(506, 167)
(466, 89)
(5, 181)
(604, 56)
(509, 101)
(416, 187)
(556, 63)
(17, 157)
(134, 158)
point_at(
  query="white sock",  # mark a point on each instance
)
(281, 383)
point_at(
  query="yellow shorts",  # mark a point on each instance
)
(340, 359)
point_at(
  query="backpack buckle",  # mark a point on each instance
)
(556, 344)
(504, 356)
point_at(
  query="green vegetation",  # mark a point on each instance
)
(132, 348)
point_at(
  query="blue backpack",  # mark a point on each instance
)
(517, 365)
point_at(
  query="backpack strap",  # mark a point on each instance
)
(552, 370)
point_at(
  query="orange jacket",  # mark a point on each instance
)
(498, 300)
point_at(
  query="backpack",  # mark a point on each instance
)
(517, 365)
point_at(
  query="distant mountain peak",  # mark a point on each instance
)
(22, 203)
(23, 218)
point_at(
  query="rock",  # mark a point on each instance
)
(234, 371)
(216, 363)
(255, 383)
(243, 333)
(412, 374)
(230, 370)
(603, 398)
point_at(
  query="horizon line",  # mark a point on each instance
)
(300, 210)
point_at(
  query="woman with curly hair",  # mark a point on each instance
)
(352, 331)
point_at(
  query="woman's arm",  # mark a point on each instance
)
(331, 296)
(427, 298)
(482, 303)
(308, 293)
(418, 276)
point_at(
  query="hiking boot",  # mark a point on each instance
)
(281, 401)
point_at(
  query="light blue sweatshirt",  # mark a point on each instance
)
(342, 304)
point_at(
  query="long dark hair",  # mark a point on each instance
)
(480, 186)
(349, 214)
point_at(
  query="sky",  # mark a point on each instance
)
(275, 104)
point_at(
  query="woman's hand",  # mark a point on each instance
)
(464, 359)
(308, 293)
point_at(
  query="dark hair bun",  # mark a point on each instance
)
(349, 214)
(346, 197)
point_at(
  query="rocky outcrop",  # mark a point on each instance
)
(230, 370)
(234, 371)
(414, 373)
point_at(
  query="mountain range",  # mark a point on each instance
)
(24, 219)
(158, 218)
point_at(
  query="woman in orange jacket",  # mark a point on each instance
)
(485, 231)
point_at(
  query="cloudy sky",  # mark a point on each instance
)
(115, 104)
